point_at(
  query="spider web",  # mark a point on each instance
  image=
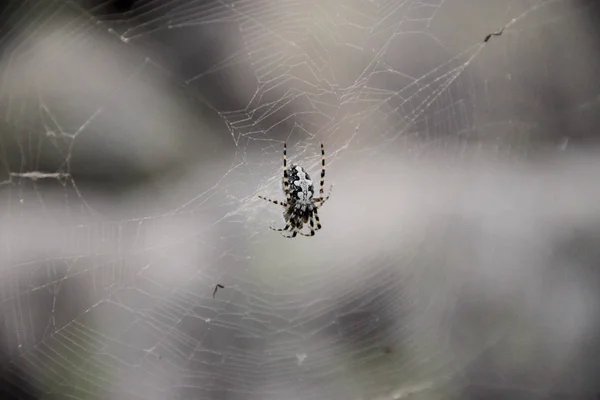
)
(134, 145)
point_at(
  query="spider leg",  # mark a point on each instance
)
(279, 203)
(293, 232)
(312, 225)
(312, 228)
(293, 229)
(323, 200)
(287, 226)
(286, 183)
(322, 171)
(317, 219)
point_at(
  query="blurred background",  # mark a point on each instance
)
(459, 256)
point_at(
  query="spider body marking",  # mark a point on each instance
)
(300, 206)
(301, 188)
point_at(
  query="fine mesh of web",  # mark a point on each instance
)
(445, 260)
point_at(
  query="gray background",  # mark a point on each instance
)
(459, 251)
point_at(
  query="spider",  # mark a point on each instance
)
(300, 205)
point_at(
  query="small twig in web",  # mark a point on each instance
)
(489, 35)
(219, 286)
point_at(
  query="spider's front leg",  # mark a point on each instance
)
(285, 228)
(293, 235)
(291, 225)
(312, 228)
(293, 232)
(288, 226)
(317, 219)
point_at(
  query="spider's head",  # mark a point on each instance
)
(299, 213)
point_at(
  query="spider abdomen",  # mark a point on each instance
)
(301, 187)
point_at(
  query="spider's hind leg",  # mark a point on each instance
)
(286, 183)
(322, 183)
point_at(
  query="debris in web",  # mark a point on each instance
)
(489, 35)
(219, 286)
